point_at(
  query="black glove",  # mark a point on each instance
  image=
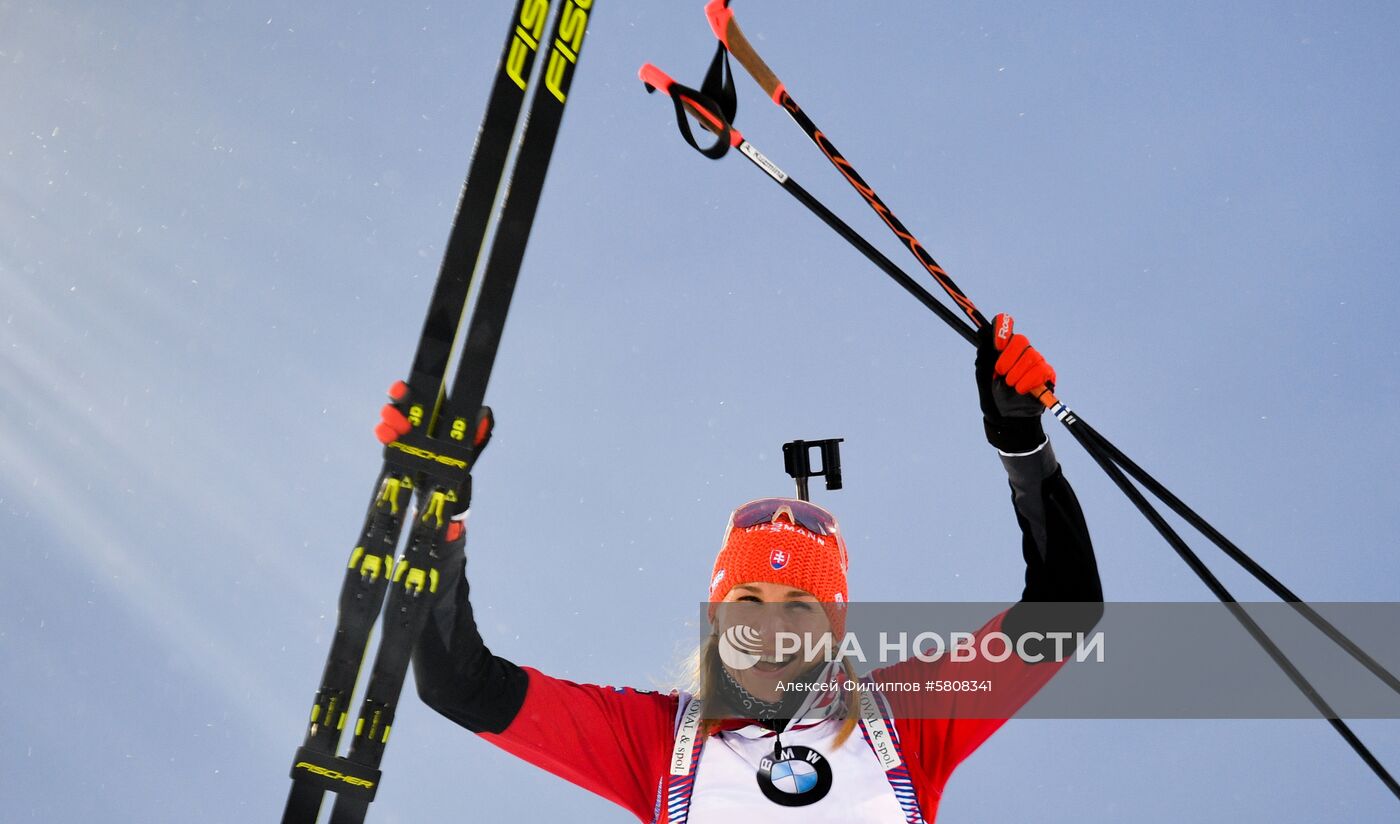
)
(453, 578)
(454, 547)
(393, 424)
(1010, 412)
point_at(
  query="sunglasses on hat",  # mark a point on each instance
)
(805, 514)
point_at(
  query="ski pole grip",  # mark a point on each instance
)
(655, 79)
(720, 16)
(697, 105)
(1046, 397)
(722, 23)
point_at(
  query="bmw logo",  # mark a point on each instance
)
(798, 776)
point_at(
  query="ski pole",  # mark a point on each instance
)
(733, 41)
(688, 100)
(1243, 559)
(1105, 462)
(708, 112)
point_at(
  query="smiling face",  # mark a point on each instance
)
(771, 609)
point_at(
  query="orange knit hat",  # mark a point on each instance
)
(784, 541)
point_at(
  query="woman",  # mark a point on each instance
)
(765, 737)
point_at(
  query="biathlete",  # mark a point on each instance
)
(779, 738)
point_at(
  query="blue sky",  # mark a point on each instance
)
(219, 224)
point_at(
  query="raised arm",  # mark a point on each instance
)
(1060, 565)
(609, 740)
(1062, 588)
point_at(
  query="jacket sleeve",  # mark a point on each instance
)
(938, 730)
(1060, 564)
(612, 741)
(455, 671)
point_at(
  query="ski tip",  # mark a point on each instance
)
(720, 15)
(654, 78)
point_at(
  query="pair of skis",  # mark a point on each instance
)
(714, 107)
(433, 462)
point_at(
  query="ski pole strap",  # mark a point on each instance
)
(719, 84)
(711, 114)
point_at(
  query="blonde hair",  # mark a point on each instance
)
(704, 673)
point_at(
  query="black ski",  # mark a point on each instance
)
(446, 483)
(315, 768)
